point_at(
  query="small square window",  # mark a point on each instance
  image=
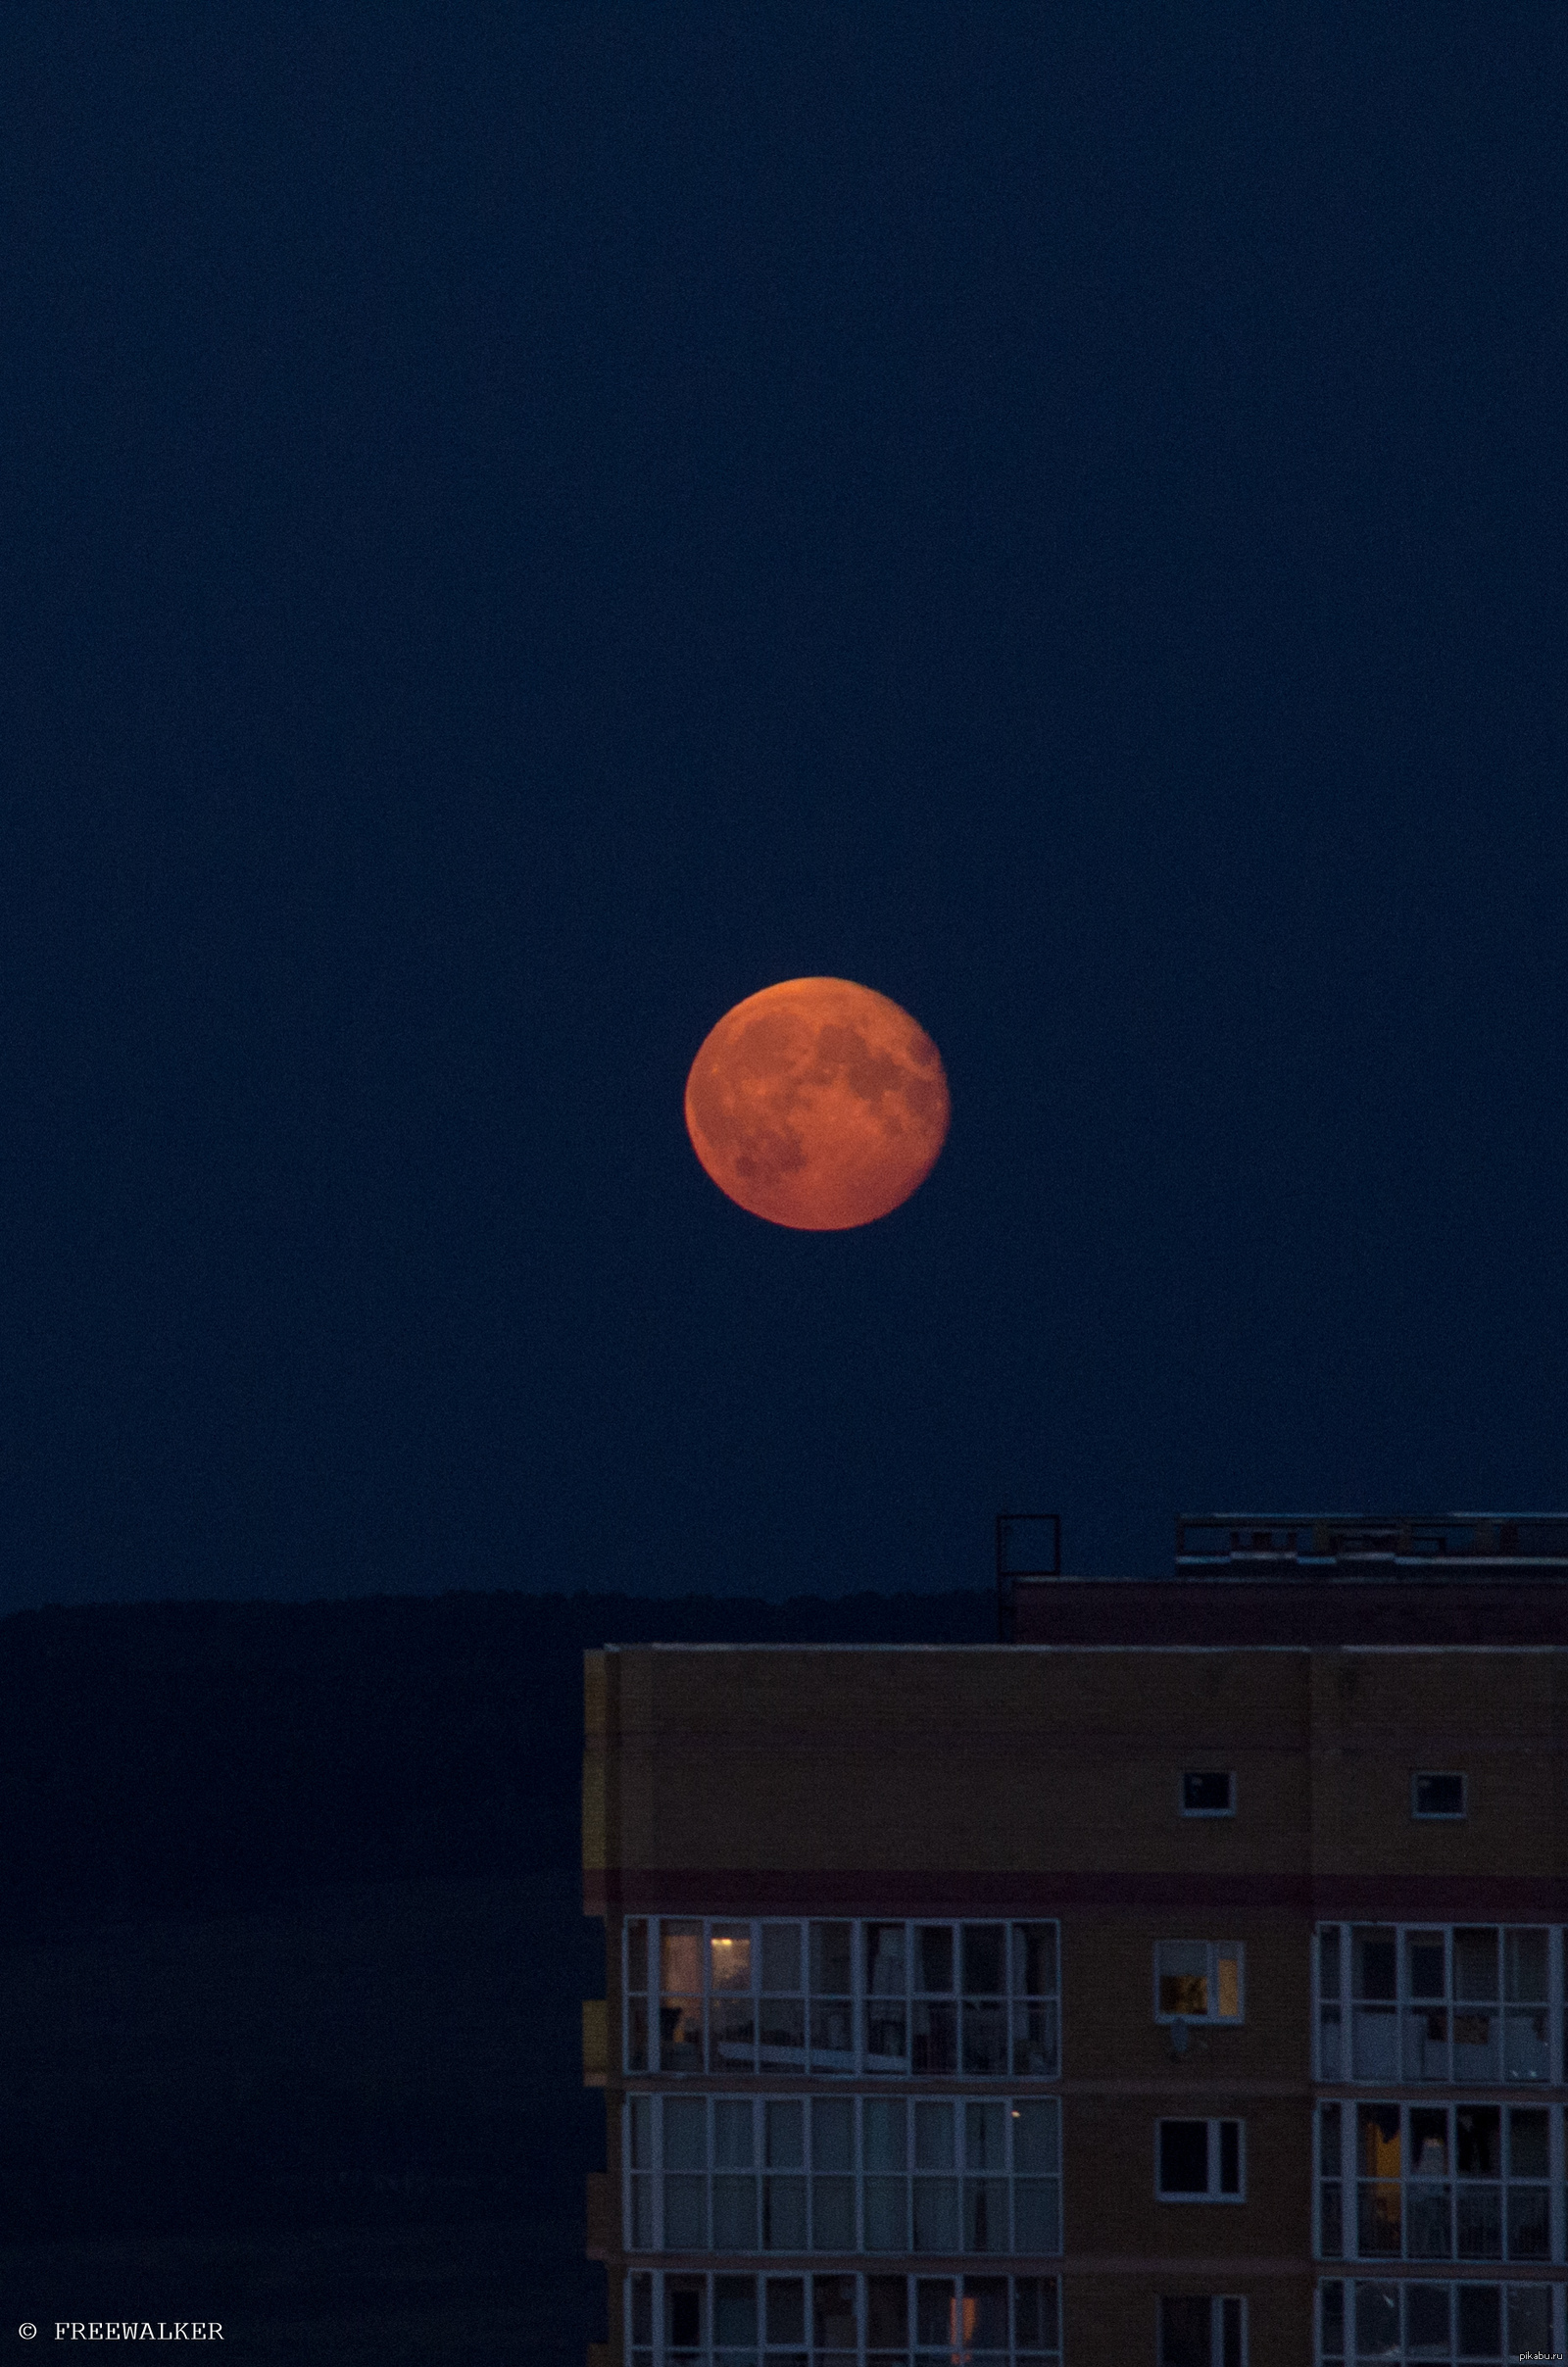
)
(1198, 1981)
(1438, 1796)
(1208, 1794)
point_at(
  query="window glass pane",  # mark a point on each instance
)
(1184, 1977)
(1185, 2338)
(1372, 1963)
(936, 2215)
(833, 2214)
(832, 2134)
(1034, 2136)
(932, 2136)
(1480, 2316)
(683, 2309)
(781, 1957)
(734, 2309)
(985, 2038)
(1475, 1965)
(642, 2308)
(1034, 2038)
(1207, 1794)
(636, 2033)
(785, 2134)
(734, 2214)
(1377, 2320)
(887, 2215)
(936, 2319)
(1034, 1959)
(732, 2132)
(1478, 2140)
(833, 2325)
(1036, 2215)
(685, 2133)
(985, 2312)
(729, 1951)
(784, 2214)
(883, 2132)
(637, 1953)
(1034, 2304)
(885, 1967)
(1230, 2157)
(1426, 2320)
(1439, 1795)
(887, 2313)
(1424, 1973)
(933, 1957)
(781, 2027)
(985, 2136)
(982, 1959)
(786, 2309)
(685, 2215)
(681, 1956)
(640, 2123)
(933, 2037)
(1529, 2144)
(1528, 2320)
(1229, 2003)
(1184, 2156)
(830, 1959)
(1429, 2142)
(734, 2033)
(1525, 1967)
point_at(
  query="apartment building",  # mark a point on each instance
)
(1180, 1979)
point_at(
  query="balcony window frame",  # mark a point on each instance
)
(1528, 2046)
(943, 2205)
(1022, 2025)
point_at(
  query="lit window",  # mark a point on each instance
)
(1198, 1981)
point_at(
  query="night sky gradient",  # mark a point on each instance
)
(524, 525)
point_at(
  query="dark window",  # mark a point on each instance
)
(1230, 2156)
(1184, 2157)
(1230, 2330)
(1439, 1795)
(1184, 2339)
(685, 2306)
(1208, 1794)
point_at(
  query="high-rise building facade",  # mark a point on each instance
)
(1100, 1996)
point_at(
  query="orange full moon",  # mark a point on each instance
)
(817, 1103)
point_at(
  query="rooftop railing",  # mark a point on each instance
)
(1473, 1545)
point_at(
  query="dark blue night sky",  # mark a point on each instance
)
(525, 524)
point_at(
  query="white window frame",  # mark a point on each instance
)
(1396, 2276)
(1229, 1809)
(1341, 2010)
(858, 2061)
(652, 2174)
(1217, 2305)
(654, 2352)
(1349, 2175)
(1438, 1816)
(1213, 2123)
(1213, 2017)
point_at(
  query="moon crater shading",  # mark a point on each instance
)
(817, 1103)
